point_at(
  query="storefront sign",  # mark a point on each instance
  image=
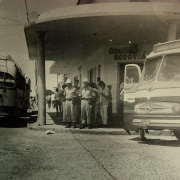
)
(129, 56)
(122, 54)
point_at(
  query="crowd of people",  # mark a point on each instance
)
(83, 105)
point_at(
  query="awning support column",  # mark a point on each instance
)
(41, 79)
(172, 31)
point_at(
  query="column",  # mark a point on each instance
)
(172, 31)
(41, 79)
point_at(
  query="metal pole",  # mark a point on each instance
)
(41, 79)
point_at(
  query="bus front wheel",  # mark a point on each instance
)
(142, 135)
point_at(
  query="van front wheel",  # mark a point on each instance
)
(142, 135)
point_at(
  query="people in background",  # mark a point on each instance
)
(31, 100)
(48, 100)
(95, 104)
(53, 101)
(104, 101)
(77, 102)
(87, 95)
(70, 93)
(121, 89)
(58, 103)
(63, 101)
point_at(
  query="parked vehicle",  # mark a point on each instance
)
(14, 89)
(157, 93)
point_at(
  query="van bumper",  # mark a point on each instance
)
(148, 123)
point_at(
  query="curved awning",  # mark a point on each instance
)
(73, 33)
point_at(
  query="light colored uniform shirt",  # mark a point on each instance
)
(106, 92)
(69, 92)
(53, 97)
(87, 93)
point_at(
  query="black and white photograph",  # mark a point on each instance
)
(89, 89)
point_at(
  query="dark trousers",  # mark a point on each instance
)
(49, 103)
(58, 107)
(54, 104)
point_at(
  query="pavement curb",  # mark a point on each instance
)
(96, 131)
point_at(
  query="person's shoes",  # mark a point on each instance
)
(128, 131)
(68, 126)
(82, 126)
(74, 125)
(100, 125)
(89, 126)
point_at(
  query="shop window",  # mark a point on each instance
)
(91, 76)
(95, 74)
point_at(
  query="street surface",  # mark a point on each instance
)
(33, 155)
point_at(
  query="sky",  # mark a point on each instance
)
(13, 18)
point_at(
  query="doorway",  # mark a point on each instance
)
(120, 79)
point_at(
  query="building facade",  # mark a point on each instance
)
(96, 38)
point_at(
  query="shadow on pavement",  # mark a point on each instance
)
(12, 122)
(158, 142)
(57, 119)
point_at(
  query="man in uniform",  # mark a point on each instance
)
(70, 93)
(87, 95)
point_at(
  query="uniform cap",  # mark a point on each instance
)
(68, 81)
(85, 80)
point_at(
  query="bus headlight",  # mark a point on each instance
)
(175, 108)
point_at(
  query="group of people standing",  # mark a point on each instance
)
(82, 105)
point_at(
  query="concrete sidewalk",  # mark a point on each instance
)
(54, 123)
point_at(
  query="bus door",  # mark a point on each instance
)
(132, 75)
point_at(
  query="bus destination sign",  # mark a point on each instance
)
(166, 46)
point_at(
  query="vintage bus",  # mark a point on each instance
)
(155, 94)
(14, 89)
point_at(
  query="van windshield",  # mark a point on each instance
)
(151, 68)
(170, 69)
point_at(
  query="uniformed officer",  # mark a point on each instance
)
(87, 95)
(69, 93)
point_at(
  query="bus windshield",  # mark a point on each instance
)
(170, 69)
(151, 68)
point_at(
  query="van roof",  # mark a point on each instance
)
(165, 48)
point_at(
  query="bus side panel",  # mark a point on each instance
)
(7, 102)
(8, 97)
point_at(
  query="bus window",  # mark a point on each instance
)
(9, 80)
(151, 68)
(170, 69)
